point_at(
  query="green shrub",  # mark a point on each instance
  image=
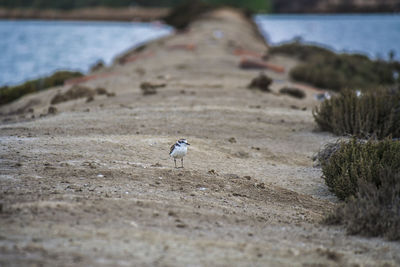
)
(367, 175)
(182, 15)
(374, 112)
(356, 161)
(253, 5)
(302, 52)
(9, 94)
(375, 211)
(326, 69)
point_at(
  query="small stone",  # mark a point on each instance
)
(212, 171)
(181, 225)
(52, 110)
(232, 176)
(232, 140)
(261, 82)
(101, 91)
(242, 154)
(156, 165)
(260, 185)
(172, 214)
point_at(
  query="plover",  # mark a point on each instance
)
(179, 150)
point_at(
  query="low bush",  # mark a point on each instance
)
(375, 211)
(367, 175)
(358, 160)
(9, 94)
(371, 113)
(300, 51)
(326, 69)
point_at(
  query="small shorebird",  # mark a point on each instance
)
(179, 150)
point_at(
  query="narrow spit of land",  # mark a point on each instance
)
(93, 184)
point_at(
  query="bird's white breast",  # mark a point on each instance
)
(179, 152)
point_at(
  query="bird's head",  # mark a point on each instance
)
(183, 142)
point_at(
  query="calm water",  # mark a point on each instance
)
(373, 35)
(30, 49)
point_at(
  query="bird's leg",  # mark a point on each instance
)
(182, 162)
(175, 162)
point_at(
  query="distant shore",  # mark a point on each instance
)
(146, 14)
(98, 13)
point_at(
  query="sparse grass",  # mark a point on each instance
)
(9, 94)
(75, 92)
(373, 113)
(326, 69)
(79, 91)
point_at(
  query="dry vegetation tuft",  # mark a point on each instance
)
(373, 113)
(9, 94)
(367, 175)
(326, 69)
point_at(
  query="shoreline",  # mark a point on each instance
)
(89, 14)
(257, 29)
(138, 14)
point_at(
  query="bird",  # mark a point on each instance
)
(179, 150)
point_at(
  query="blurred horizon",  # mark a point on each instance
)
(29, 49)
(257, 6)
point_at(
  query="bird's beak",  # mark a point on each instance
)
(188, 144)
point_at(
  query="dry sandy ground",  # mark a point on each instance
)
(93, 184)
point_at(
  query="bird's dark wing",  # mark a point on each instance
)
(172, 149)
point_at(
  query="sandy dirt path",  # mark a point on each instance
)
(93, 184)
